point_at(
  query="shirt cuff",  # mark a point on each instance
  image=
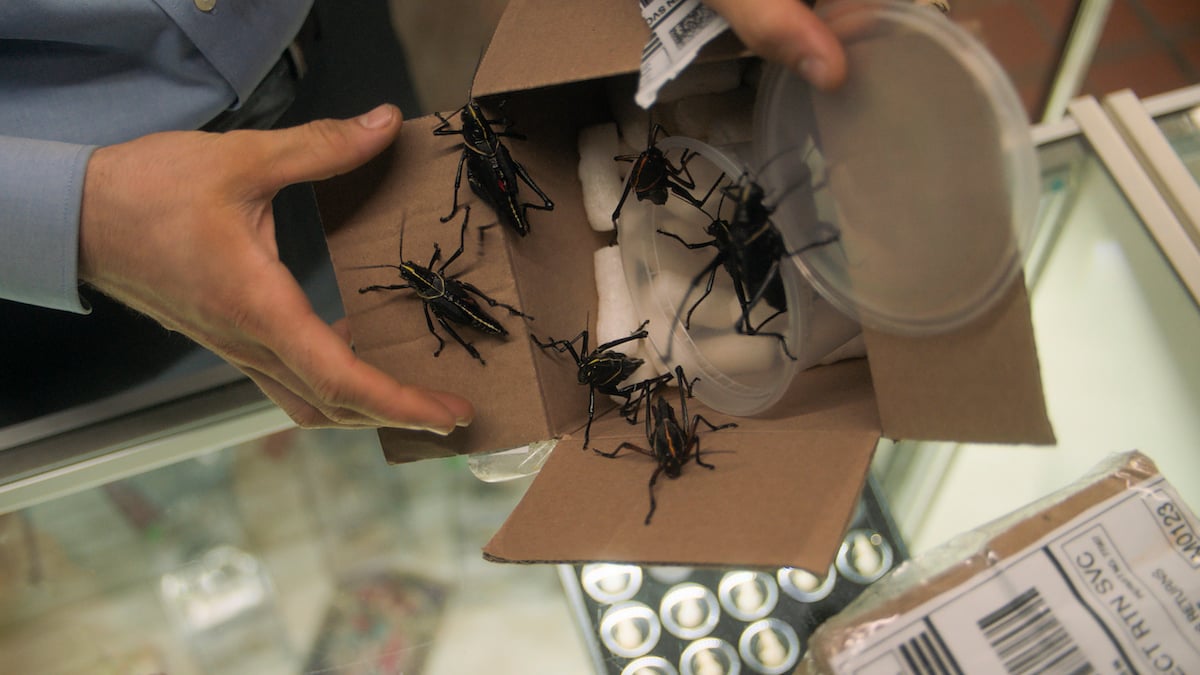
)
(41, 192)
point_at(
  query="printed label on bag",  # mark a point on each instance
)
(1116, 590)
(679, 28)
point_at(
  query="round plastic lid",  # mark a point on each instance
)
(739, 374)
(909, 194)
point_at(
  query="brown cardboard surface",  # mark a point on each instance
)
(760, 507)
(979, 384)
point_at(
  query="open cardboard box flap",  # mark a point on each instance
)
(786, 482)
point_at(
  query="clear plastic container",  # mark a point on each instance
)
(739, 373)
(922, 163)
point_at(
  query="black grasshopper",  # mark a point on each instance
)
(603, 370)
(672, 441)
(447, 298)
(653, 177)
(492, 173)
(750, 249)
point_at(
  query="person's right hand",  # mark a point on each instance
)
(788, 33)
(179, 226)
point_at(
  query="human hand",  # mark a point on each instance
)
(179, 226)
(788, 33)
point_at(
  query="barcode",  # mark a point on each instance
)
(925, 654)
(1029, 639)
(652, 45)
(695, 21)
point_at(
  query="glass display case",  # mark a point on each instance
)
(296, 552)
(208, 535)
(1114, 297)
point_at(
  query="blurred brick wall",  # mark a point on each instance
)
(1150, 46)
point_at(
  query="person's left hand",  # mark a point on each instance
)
(179, 226)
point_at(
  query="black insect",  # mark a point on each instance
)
(750, 249)
(653, 177)
(672, 441)
(447, 298)
(492, 173)
(603, 370)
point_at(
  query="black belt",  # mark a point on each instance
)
(277, 90)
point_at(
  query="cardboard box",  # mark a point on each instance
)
(785, 482)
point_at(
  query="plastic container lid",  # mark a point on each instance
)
(921, 165)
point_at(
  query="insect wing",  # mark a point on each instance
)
(427, 284)
(764, 248)
(668, 439)
(458, 306)
(475, 129)
(495, 183)
(649, 176)
(606, 370)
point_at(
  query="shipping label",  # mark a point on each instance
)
(1115, 590)
(678, 29)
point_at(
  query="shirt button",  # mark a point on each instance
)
(205, 5)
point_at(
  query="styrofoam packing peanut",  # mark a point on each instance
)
(678, 267)
(674, 289)
(632, 121)
(616, 317)
(758, 314)
(714, 312)
(680, 223)
(731, 353)
(732, 129)
(718, 118)
(599, 175)
(702, 78)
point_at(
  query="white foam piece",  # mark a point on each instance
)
(616, 317)
(599, 175)
(734, 354)
(702, 78)
(676, 291)
(632, 121)
(759, 313)
(719, 119)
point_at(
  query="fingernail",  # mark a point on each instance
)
(815, 70)
(377, 118)
(440, 432)
(463, 422)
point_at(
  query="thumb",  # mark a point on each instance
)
(326, 148)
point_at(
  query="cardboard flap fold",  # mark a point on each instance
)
(545, 42)
(981, 383)
(540, 43)
(782, 492)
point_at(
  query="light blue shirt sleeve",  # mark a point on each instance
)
(77, 75)
(41, 188)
